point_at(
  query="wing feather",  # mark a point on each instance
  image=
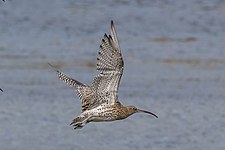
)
(110, 66)
(104, 88)
(84, 92)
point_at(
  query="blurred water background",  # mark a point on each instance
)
(174, 54)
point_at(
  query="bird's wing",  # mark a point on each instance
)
(110, 65)
(68, 80)
(83, 91)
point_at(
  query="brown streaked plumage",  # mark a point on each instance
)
(100, 99)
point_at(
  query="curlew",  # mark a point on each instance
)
(100, 100)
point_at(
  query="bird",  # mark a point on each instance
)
(100, 102)
(1, 89)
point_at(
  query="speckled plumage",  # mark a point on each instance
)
(100, 99)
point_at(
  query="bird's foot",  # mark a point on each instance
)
(77, 125)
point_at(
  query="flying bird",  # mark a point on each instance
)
(100, 100)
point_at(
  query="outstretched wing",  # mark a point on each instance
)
(104, 88)
(68, 80)
(110, 65)
(83, 91)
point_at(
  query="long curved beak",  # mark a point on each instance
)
(148, 112)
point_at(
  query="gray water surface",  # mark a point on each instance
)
(174, 53)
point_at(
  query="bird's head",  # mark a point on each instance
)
(132, 109)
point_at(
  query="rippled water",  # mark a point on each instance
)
(174, 54)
